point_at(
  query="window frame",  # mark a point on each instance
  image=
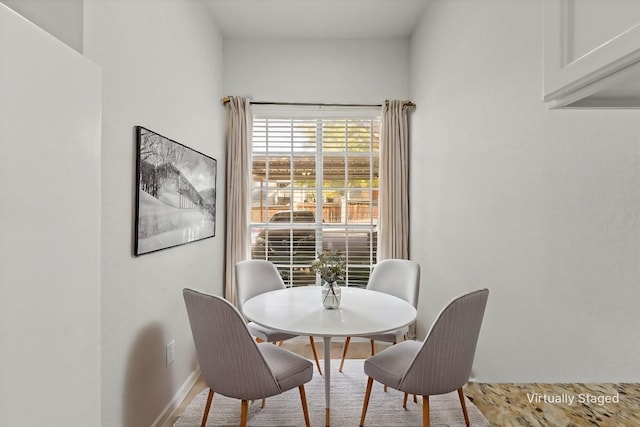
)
(321, 115)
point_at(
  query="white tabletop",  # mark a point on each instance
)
(299, 311)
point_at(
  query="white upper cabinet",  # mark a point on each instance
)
(592, 53)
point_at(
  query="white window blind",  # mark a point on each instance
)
(315, 187)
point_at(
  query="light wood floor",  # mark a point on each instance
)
(502, 404)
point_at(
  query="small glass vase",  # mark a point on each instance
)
(331, 295)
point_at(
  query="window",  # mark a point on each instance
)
(315, 187)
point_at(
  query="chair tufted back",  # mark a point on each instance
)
(444, 361)
(230, 360)
(397, 277)
(254, 277)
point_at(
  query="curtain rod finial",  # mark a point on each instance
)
(405, 103)
(226, 99)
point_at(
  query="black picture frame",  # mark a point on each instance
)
(175, 193)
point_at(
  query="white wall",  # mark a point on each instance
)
(324, 71)
(162, 68)
(49, 229)
(61, 18)
(540, 206)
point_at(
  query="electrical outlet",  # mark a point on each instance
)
(170, 352)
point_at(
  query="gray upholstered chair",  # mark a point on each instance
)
(397, 277)
(254, 277)
(233, 364)
(440, 364)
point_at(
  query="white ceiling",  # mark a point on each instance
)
(317, 19)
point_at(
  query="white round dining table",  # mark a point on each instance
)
(299, 311)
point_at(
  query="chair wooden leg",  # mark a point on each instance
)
(425, 411)
(344, 353)
(206, 408)
(305, 410)
(415, 399)
(404, 400)
(367, 394)
(263, 402)
(315, 354)
(259, 340)
(373, 347)
(244, 410)
(464, 406)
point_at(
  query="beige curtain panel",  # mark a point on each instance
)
(239, 134)
(393, 215)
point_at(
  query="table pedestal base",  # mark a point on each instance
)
(327, 380)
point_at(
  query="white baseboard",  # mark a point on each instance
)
(168, 410)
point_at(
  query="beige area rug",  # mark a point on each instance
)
(347, 395)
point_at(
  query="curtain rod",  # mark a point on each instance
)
(226, 99)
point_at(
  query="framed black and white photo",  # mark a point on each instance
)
(175, 193)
